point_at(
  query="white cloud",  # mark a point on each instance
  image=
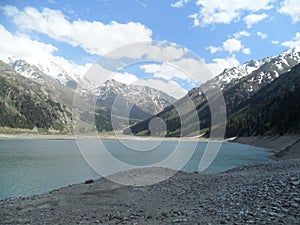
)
(226, 11)
(241, 34)
(275, 42)
(294, 42)
(164, 71)
(232, 45)
(33, 51)
(246, 51)
(196, 20)
(22, 46)
(214, 49)
(125, 78)
(163, 51)
(92, 36)
(252, 19)
(179, 3)
(188, 69)
(170, 87)
(218, 65)
(262, 35)
(291, 8)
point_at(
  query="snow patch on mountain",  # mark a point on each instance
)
(277, 64)
(148, 99)
(50, 69)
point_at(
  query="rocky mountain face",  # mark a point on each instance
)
(123, 101)
(238, 84)
(149, 100)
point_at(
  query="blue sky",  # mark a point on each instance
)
(75, 34)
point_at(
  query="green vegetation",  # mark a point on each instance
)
(274, 109)
(24, 105)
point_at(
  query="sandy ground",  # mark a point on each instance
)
(267, 193)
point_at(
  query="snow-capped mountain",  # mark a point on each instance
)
(239, 85)
(25, 69)
(256, 73)
(36, 72)
(270, 67)
(148, 99)
(56, 72)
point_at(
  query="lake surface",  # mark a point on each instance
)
(30, 167)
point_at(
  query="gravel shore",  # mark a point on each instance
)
(267, 193)
(282, 146)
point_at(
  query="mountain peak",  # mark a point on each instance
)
(151, 100)
(35, 72)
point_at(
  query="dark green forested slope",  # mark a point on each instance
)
(24, 104)
(275, 109)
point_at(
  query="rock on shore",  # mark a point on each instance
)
(267, 193)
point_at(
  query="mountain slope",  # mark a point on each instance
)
(24, 104)
(238, 86)
(272, 110)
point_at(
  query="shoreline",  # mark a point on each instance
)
(100, 136)
(282, 147)
(253, 194)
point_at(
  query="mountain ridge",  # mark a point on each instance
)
(236, 88)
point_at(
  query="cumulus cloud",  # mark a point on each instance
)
(33, 51)
(252, 19)
(246, 51)
(294, 42)
(291, 8)
(92, 36)
(218, 65)
(240, 34)
(170, 87)
(226, 11)
(125, 78)
(163, 51)
(275, 42)
(214, 49)
(232, 45)
(179, 3)
(196, 19)
(164, 71)
(190, 70)
(262, 35)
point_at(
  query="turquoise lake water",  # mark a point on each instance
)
(29, 167)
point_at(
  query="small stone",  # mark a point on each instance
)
(297, 200)
(89, 181)
(274, 214)
(164, 214)
(295, 205)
